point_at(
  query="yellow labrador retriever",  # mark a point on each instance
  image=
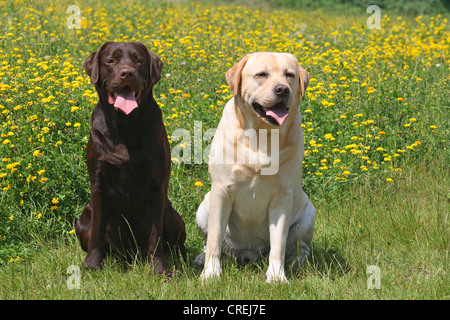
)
(256, 203)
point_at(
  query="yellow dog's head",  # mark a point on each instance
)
(269, 85)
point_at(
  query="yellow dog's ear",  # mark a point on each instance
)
(304, 80)
(233, 75)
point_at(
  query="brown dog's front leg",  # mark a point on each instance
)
(99, 220)
(155, 243)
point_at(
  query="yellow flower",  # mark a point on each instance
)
(12, 166)
(37, 153)
(198, 184)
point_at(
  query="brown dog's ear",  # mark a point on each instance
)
(233, 75)
(91, 65)
(154, 62)
(156, 66)
(304, 80)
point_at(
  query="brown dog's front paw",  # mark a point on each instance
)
(159, 267)
(93, 261)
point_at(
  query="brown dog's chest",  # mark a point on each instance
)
(130, 178)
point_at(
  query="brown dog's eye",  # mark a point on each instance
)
(139, 61)
(111, 60)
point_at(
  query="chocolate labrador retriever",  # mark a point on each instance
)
(128, 160)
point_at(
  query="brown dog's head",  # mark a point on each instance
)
(123, 73)
(270, 85)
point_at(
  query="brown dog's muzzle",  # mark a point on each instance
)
(125, 90)
(127, 73)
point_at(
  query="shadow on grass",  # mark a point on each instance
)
(325, 261)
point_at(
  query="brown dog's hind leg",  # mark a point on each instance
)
(83, 227)
(100, 209)
(174, 233)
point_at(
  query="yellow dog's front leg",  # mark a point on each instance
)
(280, 210)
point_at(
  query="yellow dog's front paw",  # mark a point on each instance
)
(210, 273)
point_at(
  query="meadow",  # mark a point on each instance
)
(375, 119)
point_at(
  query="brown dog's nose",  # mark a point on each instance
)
(126, 73)
(281, 90)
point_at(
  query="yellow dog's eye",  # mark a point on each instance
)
(290, 75)
(261, 75)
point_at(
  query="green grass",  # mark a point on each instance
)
(376, 124)
(409, 7)
(403, 229)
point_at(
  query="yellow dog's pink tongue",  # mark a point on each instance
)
(278, 113)
(126, 101)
